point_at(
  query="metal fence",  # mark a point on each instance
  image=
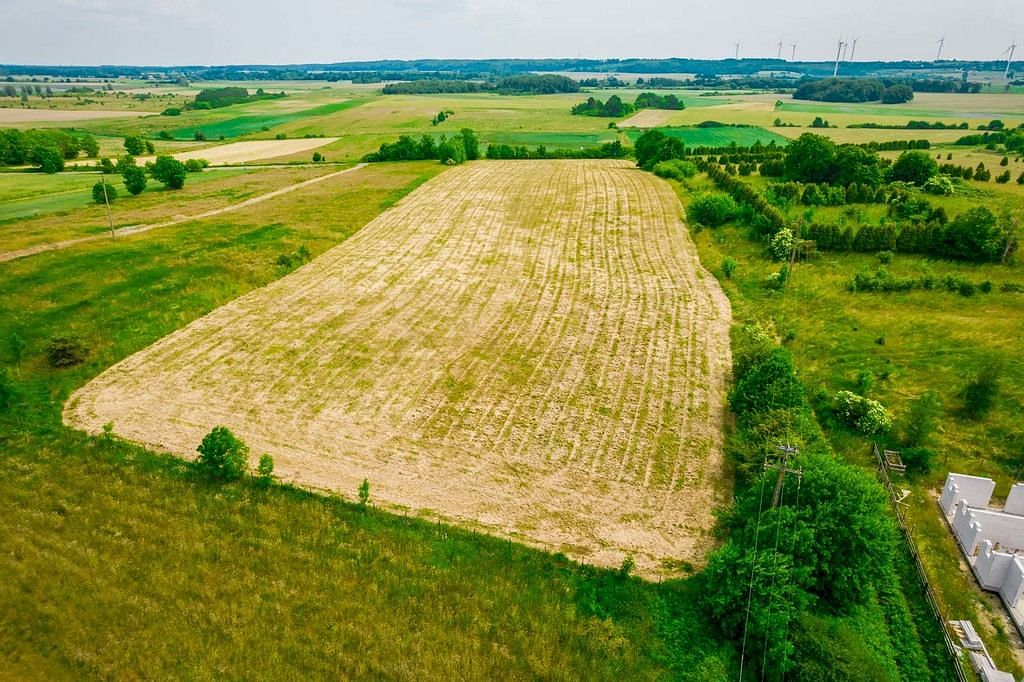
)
(929, 594)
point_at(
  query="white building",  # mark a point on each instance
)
(991, 539)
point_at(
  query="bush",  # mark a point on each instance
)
(6, 390)
(941, 185)
(675, 169)
(196, 165)
(980, 392)
(65, 351)
(199, 136)
(98, 194)
(915, 167)
(781, 245)
(364, 493)
(918, 460)
(728, 267)
(713, 209)
(867, 416)
(169, 171)
(265, 470)
(133, 145)
(222, 456)
(317, 157)
(134, 179)
(171, 111)
(921, 419)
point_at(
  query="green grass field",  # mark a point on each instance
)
(243, 125)
(719, 137)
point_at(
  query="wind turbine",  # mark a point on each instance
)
(941, 41)
(779, 56)
(853, 50)
(737, 50)
(845, 45)
(1009, 58)
(839, 51)
(793, 57)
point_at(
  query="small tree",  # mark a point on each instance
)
(265, 470)
(6, 390)
(915, 167)
(364, 493)
(99, 196)
(134, 179)
(65, 351)
(169, 171)
(134, 145)
(317, 157)
(222, 455)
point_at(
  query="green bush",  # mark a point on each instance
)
(918, 460)
(196, 165)
(915, 167)
(941, 185)
(98, 194)
(981, 390)
(265, 470)
(728, 267)
(922, 418)
(169, 171)
(675, 169)
(222, 456)
(6, 390)
(364, 493)
(65, 351)
(134, 179)
(713, 209)
(781, 244)
(867, 416)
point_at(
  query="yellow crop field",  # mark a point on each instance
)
(528, 348)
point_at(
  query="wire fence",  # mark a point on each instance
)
(929, 594)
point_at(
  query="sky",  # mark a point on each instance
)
(207, 32)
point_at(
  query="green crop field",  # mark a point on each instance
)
(243, 125)
(720, 137)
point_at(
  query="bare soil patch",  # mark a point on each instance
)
(531, 348)
(15, 117)
(648, 118)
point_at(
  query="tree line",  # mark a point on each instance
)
(524, 84)
(615, 107)
(47, 149)
(216, 98)
(853, 90)
(447, 150)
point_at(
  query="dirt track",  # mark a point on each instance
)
(528, 347)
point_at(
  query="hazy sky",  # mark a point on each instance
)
(296, 31)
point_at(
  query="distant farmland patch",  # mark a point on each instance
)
(552, 140)
(242, 125)
(718, 137)
(528, 347)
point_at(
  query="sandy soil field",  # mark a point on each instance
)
(530, 348)
(648, 118)
(13, 117)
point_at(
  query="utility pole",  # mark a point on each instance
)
(783, 468)
(106, 201)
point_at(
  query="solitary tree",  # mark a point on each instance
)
(169, 171)
(222, 456)
(133, 145)
(134, 179)
(102, 193)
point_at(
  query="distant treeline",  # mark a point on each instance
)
(47, 149)
(615, 107)
(608, 150)
(853, 90)
(911, 125)
(526, 84)
(1012, 139)
(450, 150)
(215, 98)
(496, 67)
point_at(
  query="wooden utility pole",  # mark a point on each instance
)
(106, 201)
(783, 468)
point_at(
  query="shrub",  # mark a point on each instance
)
(918, 459)
(165, 135)
(199, 136)
(768, 384)
(265, 470)
(713, 209)
(222, 456)
(6, 390)
(169, 171)
(867, 416)
(728, 267)
(981, 390)
(134, 179)
(1003, 177)
(940, 185)
(915, 167)
(676, 169)
(364, 493)
(133, 145)
(196, 165)
(65, 351)
(781, 244)
(98, 193)
(921, 419)
(317, 157)
(171, 111)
